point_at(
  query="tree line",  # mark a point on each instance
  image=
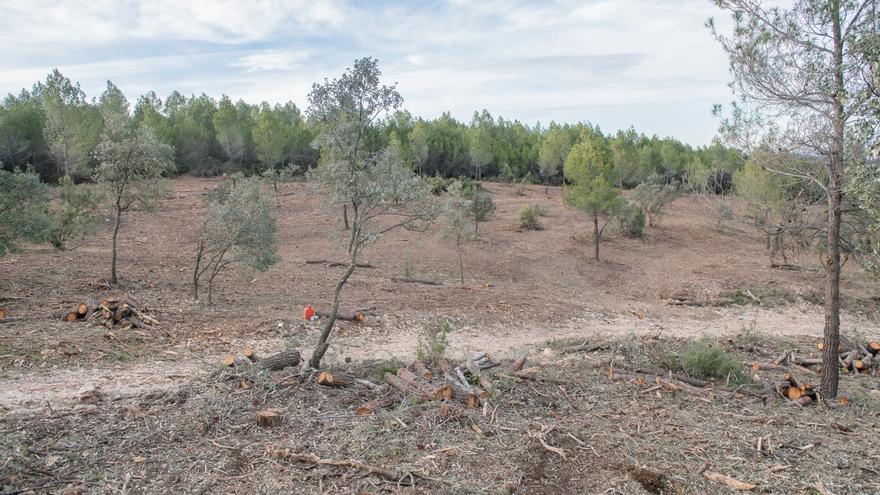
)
(55, 129)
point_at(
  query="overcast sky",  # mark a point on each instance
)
(650, 64)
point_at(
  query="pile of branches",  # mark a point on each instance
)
(858, 358)
(454, 388)
(111, 312)
(800, 393)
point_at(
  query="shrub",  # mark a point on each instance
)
(433, 342)
(480, 206)
(653, 198)
(438, 185)
(631, 219)
(74, 217)
(528, 217)
(708, 361)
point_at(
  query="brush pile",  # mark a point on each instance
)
(112, 312)
(454, 388)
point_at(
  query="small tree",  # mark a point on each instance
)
(554, 149)
(590, 169)
(24, 209)
(239, 228)
(130, 169)
(460, 225)
(377, 186)
(74, 218)
(653, 198)
(479, 205)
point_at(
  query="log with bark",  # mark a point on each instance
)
(275, 362)
(422, 281)
(337, 380)
(332, 264)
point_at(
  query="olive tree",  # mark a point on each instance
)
(653, 198)
(130, 169)
(383, 194)
(803, 74)
(239, 228)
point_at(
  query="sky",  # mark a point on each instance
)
(650, 64)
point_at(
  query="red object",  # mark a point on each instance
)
(309, 312)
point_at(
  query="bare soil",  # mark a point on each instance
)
(523, 289)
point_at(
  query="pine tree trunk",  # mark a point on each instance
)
(596, 236)
(113, 278)
(830, 369)
(460, 263)
(345, 216)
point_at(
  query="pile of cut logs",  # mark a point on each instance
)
(800, 393)
(857, 358)
(454, 387)
(126, 312)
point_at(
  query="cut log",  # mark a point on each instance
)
(328, 379)
(449, 410)
(758, 366)
(850, 359)
(269, 417)
(249, 353)
(70, 316)
(234, 362)
(136, 322)
(131, 302)
(277, 362)
(415, 281)
(396, 382)
(422, 370)
(428, 390)
(805, 361)
(584, 348)
(2, 314)
(331, 263)
(727, 480)
(518, 364)
(105, 312)
(874, 347)
(864, 364)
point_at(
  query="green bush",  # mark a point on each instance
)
(529, 217)
(74, 217)
(653, 198)
(709, 361)
(631, 219)
(433, 342)
(439, 185)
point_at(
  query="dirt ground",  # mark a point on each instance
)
(523, 289)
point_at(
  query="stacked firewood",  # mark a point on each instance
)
(464, 386)
(858, 358)
(111, 312)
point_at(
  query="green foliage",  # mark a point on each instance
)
(433, 341)
(239, 229)
(590, 168)
(653, 198)
(460, 224)
(705, 360)
(74, 217)
(630, 219)
(529, 217)
(480, 207)
(24, 210)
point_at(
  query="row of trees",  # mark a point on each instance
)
(55, 128)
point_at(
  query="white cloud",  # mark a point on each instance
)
(270, 61)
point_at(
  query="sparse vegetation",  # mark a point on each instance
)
(433, 341)
(709, 361)
(653, 198)
(530, 217)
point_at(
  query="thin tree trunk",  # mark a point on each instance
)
(460, 263)
(113, 278)
(596, 236)
(345, 215)
(199, 253)
(321, 346)
(830, 370)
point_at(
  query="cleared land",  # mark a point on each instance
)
(163, 423)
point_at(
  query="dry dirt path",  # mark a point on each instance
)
(60, 389)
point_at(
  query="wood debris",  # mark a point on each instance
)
(112, 312)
